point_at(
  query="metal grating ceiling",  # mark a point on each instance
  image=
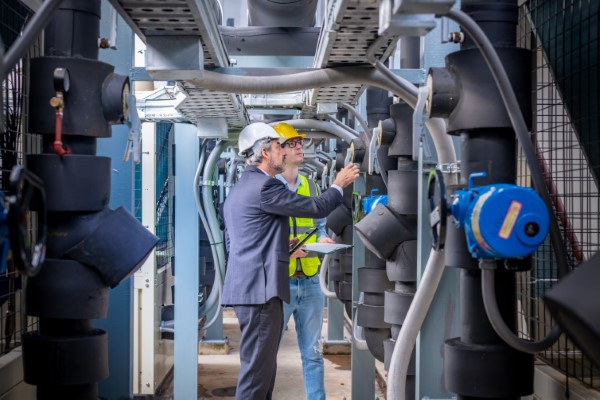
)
(175, 17)
(350, 27)
(202, 103)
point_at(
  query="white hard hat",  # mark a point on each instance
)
(253, 133)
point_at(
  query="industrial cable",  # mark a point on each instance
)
(359, 118)
(213, 226)
(210, 301)
(342, 125)
(231, 172)
(491, 308)
(518, 121)
(410, 91)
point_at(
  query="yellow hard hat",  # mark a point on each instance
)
(287, 131)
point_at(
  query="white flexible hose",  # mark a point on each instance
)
(396, 383)
(322, 278)
(443, 145)
(358, 337)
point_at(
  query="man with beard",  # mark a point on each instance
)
(256, 214)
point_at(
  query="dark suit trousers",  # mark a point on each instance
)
(261, 326)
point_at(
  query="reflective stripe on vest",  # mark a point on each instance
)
(298, 228)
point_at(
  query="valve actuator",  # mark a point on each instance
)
(500, 220)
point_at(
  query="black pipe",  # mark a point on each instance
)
(410, 52)
(92, 247)
(479, 364)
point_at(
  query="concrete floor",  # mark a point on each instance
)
(217, 374)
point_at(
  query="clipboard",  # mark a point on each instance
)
(301, 242)
(326, 248)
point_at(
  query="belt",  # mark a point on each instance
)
(300, 275)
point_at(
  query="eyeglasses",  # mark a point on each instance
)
(292, 143)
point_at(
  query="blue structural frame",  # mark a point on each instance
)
(187, 237)
(362, 362)
(119, 323)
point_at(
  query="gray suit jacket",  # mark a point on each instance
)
(256, 215)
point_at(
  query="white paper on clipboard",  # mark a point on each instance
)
(325, 248)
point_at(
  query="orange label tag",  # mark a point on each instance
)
(510, 219)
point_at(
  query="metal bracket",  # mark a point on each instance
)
(134, 140)
(419, 118)
(372, 164)
(449, 168)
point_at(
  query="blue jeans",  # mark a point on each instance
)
(306, 304)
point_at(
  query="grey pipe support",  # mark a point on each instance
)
(514, 112)
(32, 30)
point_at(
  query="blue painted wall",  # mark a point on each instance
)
(119, 323)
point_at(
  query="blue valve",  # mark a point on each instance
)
(500, 221)
(372, 201)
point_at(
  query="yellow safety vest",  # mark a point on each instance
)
(299, 227)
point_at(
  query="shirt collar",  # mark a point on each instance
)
(296, 185)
